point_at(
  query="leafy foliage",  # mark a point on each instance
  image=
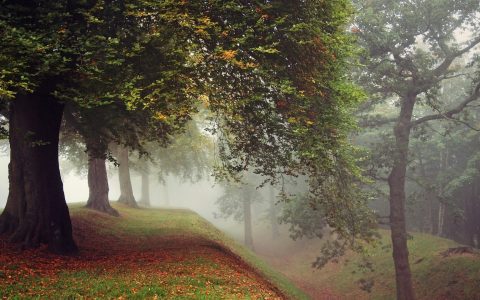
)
(231, 203)
(272, 73)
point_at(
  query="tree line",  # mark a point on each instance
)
(277, 78)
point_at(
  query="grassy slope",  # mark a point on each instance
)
(435, 276)
(172, 254)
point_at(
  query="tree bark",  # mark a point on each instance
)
(36, 211)
(247, 219)
(145, 200)
(98, 180)
(126, 190)
(396, 181)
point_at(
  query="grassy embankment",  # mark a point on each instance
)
(164, 254)
(436, 276)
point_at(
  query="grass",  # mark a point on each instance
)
(144, 254)
(144, 223)
(435, 277)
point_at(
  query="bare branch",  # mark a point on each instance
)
(454, 76)
(449, 114)
(451, 55)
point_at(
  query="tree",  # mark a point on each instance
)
(145, 181)
(273, 212)
(188, 156)
(126, 190)
(69, 51)
(290, 103)
(272, 73)
(237, 202)
(411, 49)
(83, 124)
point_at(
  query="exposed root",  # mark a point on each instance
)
(128, 201)
(104, 208)
(458, 251)
(8, 223)
(31, 233)
(144, 203)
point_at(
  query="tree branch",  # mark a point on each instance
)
(451, 55)
(449, 114)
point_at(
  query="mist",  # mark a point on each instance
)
(336, 143)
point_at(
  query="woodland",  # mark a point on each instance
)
(340, 120)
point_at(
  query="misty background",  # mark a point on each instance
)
(175, 193)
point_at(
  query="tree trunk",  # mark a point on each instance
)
(430, 196)
(396, 181)
(247, 219)
(273, 214)
(441, 219)
(145, 200)
(36, 211)
(126, 190)
(98, 180)
(167, 195)
(442, 206)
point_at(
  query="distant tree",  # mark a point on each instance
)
(273, 211)
(189, 157)
(411, 49)
(143, 166)
(236, 202)
(443, 175)
(84, 125)
(125, 182)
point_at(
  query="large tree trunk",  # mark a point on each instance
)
(126, 190)
(396, 181)
(36, 210)
(98, 180)
(247, 219)
(145, 200)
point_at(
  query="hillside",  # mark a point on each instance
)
(437, 274)
(156, 254)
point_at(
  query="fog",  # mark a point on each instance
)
(4, 159)
(199, 197)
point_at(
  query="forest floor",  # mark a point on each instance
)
(437, 272)
(154, 254)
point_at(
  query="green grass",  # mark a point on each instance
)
(148, 269)
(144, 223)
(434, 276)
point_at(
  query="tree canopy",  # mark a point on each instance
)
(272, 73)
